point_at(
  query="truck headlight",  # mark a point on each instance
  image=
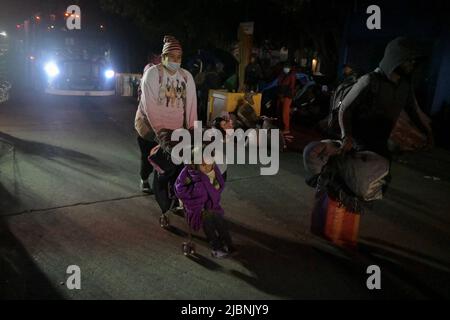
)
(109, 74)
(51, 69)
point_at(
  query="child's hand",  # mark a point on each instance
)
(195, 176)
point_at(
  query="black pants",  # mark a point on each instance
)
(216, 231)
(146, 147)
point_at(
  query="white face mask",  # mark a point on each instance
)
(286, 70)
(172, 66)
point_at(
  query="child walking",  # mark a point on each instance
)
(199, 187)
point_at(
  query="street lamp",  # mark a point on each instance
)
(4, 34)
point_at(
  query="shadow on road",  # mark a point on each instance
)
(430, 163)
(7, 200)
(298, 271)
(419, 211)
(20, 278)
(205, 262)
(425, 273)
(288, 269)
(50, 152)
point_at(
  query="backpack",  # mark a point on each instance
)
(338, 97)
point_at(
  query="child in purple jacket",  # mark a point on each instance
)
(199, 188)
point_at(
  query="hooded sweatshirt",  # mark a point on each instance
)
(371, 108)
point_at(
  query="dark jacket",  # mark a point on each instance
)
(371, 108)
(253, 73)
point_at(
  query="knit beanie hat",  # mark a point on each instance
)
(171, 44)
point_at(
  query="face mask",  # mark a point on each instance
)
(173, 66)
(286, 70)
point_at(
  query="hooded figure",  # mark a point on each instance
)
(371, 109)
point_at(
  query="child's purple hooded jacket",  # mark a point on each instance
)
(194, 188)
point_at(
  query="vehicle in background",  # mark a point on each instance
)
(64, 62)
(76, 64)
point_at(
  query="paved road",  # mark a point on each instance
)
(69, 196)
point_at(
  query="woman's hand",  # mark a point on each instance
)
(347, 144)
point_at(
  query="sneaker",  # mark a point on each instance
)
(219, 253)
(145, 187)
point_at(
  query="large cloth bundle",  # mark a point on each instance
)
(316, 156)
(364, 173)
(361, 174)
(345, 184)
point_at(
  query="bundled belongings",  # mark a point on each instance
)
(364, 173)
(336, 212)
(246, 117)
(315, 157)
(334, 222)
(346, 184)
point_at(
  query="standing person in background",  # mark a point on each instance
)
(286, 91)
(157, 110)
(253, 74)
(205, 81)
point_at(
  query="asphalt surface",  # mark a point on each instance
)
(69, 195)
